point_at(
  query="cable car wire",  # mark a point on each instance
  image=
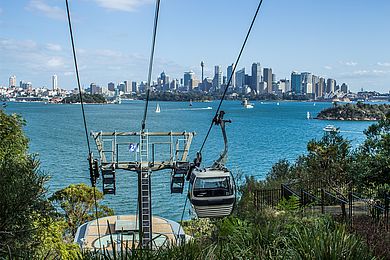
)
(151, 64)
(231, 76)
(82, 109)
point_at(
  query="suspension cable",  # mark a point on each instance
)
(151, 64)
(231, 76)
(82, 110)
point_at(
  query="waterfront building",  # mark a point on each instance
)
(283, 86)
(111, 86)
(95, 89)
(256, 77)
(296, 82)
(320, 87)
(344, 88)
(330, 86)
(134, 87)
(229, 73)
(240, 80)
(307, 83)
(54, 81)
(187, 77)
(12, 81)
(217, 80)
(267, 77)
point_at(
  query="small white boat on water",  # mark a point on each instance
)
(330, 128)
(158, 108)
(308, 116)
(246, 104)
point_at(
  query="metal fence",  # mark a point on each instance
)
(326, 202)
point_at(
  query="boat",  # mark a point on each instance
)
(277, 104)
(246, 104)
(190, 102)
(330, 128)
(158, 108)
(308, 116)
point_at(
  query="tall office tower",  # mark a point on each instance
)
(240, 79)
(127, 86)
(134, 87)
(320, 87)
(187, 77)
(296, 82)
(111, 86)
(93, 88)
(54, 82)
(12, 81)
(330, 86)
(344, 88)
(267, 77)
(202, 67)
(307, 83)
(314, 82)
(217, 80)
(229, 73)
(256, 77)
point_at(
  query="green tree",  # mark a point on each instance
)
(372, 159)
(22, 202)
(78, 205)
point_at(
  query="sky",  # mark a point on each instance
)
(347, 40)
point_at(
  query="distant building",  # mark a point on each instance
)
(240, 79)
(307, 83)
(229, 73)
(127, 86)
(54, 81)
(134, 87)
(330, 86)
(94, 89)
(320, 87)
(217, 80)
(267, 77)
(12, 81)
(187, 77)
(256, 77)
(344, 88)
(111, 86)
(296, 82)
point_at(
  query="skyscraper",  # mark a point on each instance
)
(111, 86)
(217, 80)
(229, 73)
(330, 86)
(54, 82)
(256, 77)
(267, 77)
(296, 82)
(240, 79)
(12, 81)
(187, 77)
(307, 83)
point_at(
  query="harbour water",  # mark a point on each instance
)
(258, 138)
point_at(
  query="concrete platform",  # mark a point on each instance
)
(124, 233)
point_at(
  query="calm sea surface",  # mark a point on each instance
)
(258, 138)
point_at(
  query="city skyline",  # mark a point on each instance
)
(113, 40)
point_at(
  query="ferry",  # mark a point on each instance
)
(330, 128)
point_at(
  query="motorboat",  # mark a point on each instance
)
(246, 103)
(330, 128)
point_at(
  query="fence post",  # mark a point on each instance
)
(387, 202)
(322, 201)
(350, 202)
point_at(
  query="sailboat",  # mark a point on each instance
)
(308, 115)
(158, 108)
(190, 102)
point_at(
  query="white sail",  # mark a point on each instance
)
(158, 108)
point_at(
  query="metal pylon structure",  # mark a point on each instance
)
(142, 152)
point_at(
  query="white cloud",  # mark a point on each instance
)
(41, 6)
(55, 62)
(349, 63)
(123, 5)
(384, 64)
(328, 67)
(53, 47)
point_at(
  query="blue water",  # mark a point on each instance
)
(258, 138)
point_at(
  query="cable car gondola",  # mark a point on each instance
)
(212, 190)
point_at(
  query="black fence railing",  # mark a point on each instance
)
(325, 201)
